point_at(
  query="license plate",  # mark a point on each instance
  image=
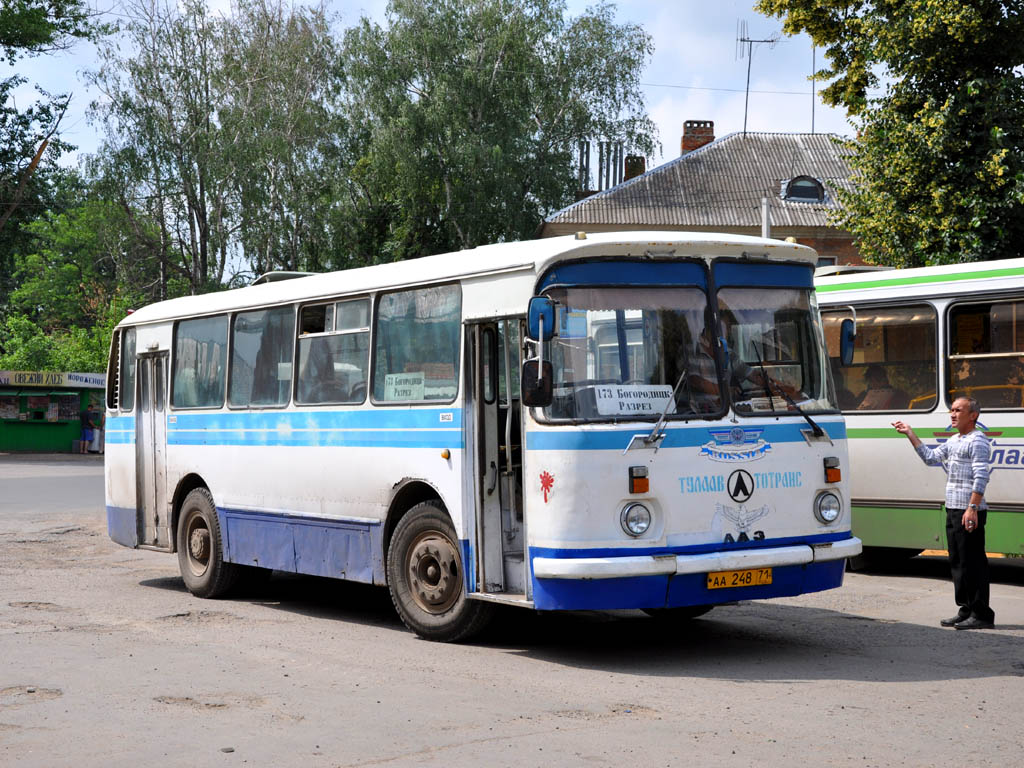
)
(754, 577)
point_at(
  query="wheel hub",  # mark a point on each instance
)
(434, 573)
(199, 545)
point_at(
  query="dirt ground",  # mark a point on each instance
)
(106, 660)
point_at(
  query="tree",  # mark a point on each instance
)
(225, 129)
(467, 116)
(161, 114)
(29, 146)
(939, 161)
(280, 127)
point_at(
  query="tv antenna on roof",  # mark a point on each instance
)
(744, 39)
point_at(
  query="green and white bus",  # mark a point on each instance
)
(923, 338)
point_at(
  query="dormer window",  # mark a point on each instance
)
(803, 189)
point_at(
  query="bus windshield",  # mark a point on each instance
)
(776, 359)
(621, 352)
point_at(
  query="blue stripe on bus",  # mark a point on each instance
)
(745, 274)
(689, 549)
(451, 439)
(119, 430)
(674, 591)
(572, 438)
(627, 273)
(379, 428)
(362, 418)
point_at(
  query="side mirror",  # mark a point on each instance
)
(541, 319)
(847, 334)
(536, 383)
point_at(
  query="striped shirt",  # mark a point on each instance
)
(965, 459)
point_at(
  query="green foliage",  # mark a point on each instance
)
(940, 158)
(31, 27)
(469, 113)
(39, 26)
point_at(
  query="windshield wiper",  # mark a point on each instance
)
(660, 423)
(764, 375)
(768, 380)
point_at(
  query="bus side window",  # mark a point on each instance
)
(261, 357)
(893, 367)
(200, 362)
(417, 336)
(334, 350)
(126, 377)
(986, 354)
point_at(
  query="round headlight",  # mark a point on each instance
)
(827, 508)
(635, 519)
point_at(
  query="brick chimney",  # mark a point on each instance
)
(696, 133)
(636, 165)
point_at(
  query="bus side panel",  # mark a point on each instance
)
(317, 547)
(897, 497)
(119, 471)
(309, 491)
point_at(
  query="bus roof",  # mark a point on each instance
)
(528, 258)
(921, 281)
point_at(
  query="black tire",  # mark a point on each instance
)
(200, 547)
(684, 613)
(427, 580)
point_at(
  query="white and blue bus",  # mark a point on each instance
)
(617, 421)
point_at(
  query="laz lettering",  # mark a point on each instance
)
(730, 539)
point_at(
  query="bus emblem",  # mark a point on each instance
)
(740, 486)
(735, 444)
(743, 518)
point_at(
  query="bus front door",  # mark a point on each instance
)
(499, 535)
(150, 453)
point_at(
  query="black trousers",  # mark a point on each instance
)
(969, 565)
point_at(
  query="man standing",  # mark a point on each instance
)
(965, 457)
(87, 425)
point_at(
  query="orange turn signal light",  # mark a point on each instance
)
(832, 472)
(639, 482)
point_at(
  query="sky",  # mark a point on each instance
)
(694, 73)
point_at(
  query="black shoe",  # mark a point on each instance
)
(954, 620)
(974, 623)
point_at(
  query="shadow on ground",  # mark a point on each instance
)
(766, 641)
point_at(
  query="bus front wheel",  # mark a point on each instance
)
(426, 577)
(200, 547)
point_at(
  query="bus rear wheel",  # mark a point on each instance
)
(200, 547)
(427, 580)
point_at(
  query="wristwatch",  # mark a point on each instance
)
(973, 506)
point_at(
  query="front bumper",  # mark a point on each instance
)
(672, 581)
(663, 565)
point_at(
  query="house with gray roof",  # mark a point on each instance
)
(720, 186)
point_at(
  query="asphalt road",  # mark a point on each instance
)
(106, 660)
